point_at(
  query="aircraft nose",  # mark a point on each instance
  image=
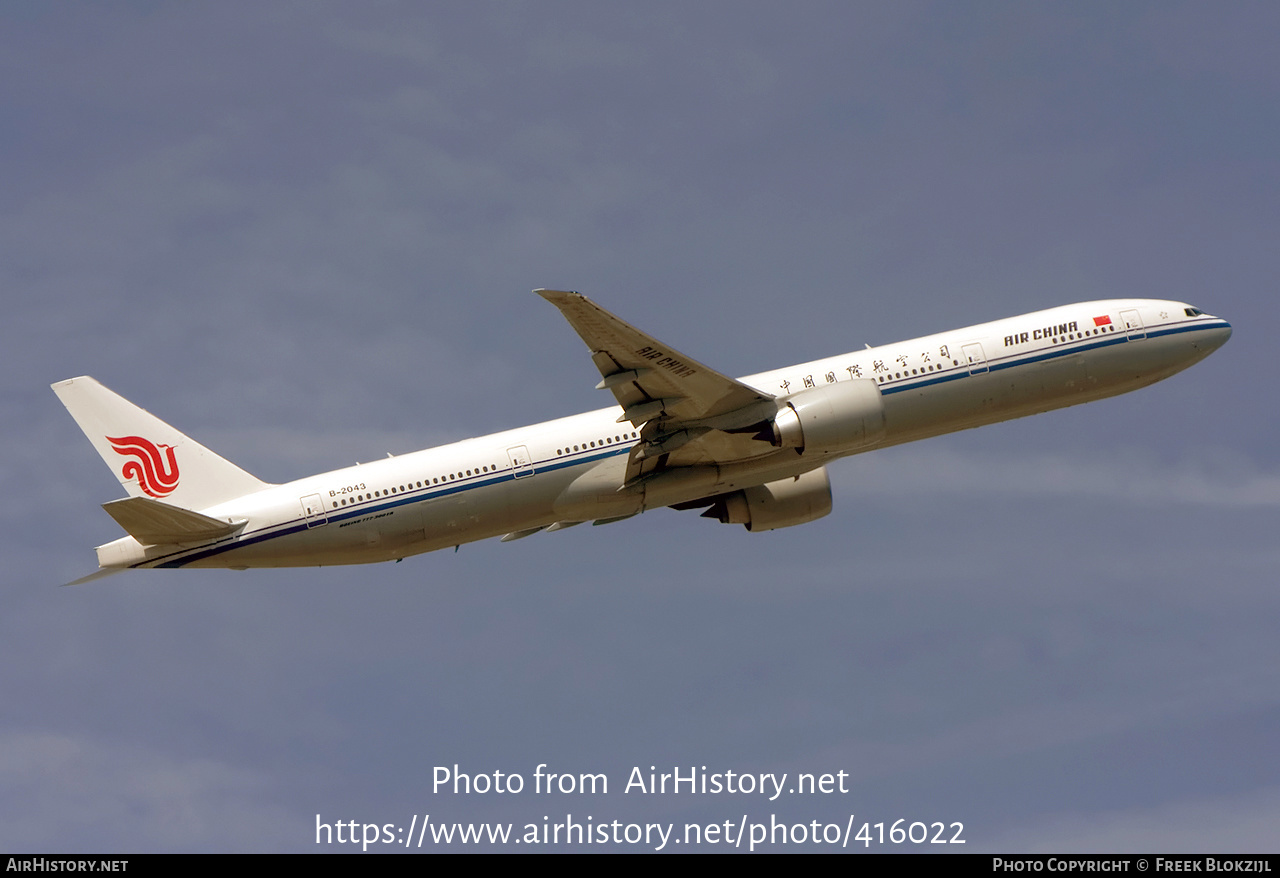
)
(1215, 336)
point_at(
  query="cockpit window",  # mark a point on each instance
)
(1193, 312)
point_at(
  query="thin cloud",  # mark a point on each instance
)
(1126, 478)
(1246, 822)
(69, 793)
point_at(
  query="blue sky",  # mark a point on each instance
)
(305, 234)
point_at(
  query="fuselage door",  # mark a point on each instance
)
(1133, 324)
(521, 462)
(313, 510)
(977, 360)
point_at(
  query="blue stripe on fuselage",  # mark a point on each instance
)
(369, 507)
(184, 557)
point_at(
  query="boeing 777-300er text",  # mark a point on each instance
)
(751, 451)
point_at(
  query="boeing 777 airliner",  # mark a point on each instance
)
(751, 451)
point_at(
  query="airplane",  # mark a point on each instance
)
(751, 451)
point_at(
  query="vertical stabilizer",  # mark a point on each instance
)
(149, 457)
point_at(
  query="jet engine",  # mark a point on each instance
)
(833, 417)
(773, 505)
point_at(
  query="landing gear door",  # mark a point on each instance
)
(521, 462)
(313, 510)
(1133, 324)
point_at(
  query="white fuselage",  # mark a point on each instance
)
(572, 469)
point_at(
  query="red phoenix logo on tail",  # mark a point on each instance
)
(149, 469)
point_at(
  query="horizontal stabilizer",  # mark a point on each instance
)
(97, 574)
(151, 522)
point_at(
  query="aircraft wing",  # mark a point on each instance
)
(648, 378)
(689, 413)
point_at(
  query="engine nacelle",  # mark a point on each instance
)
(834, 417)
(776, 504)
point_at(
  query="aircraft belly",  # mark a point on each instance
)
(1006, 393)
(476, 513)
(1144, 361)
(493, 510)
(593, 492)
(381, 535)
